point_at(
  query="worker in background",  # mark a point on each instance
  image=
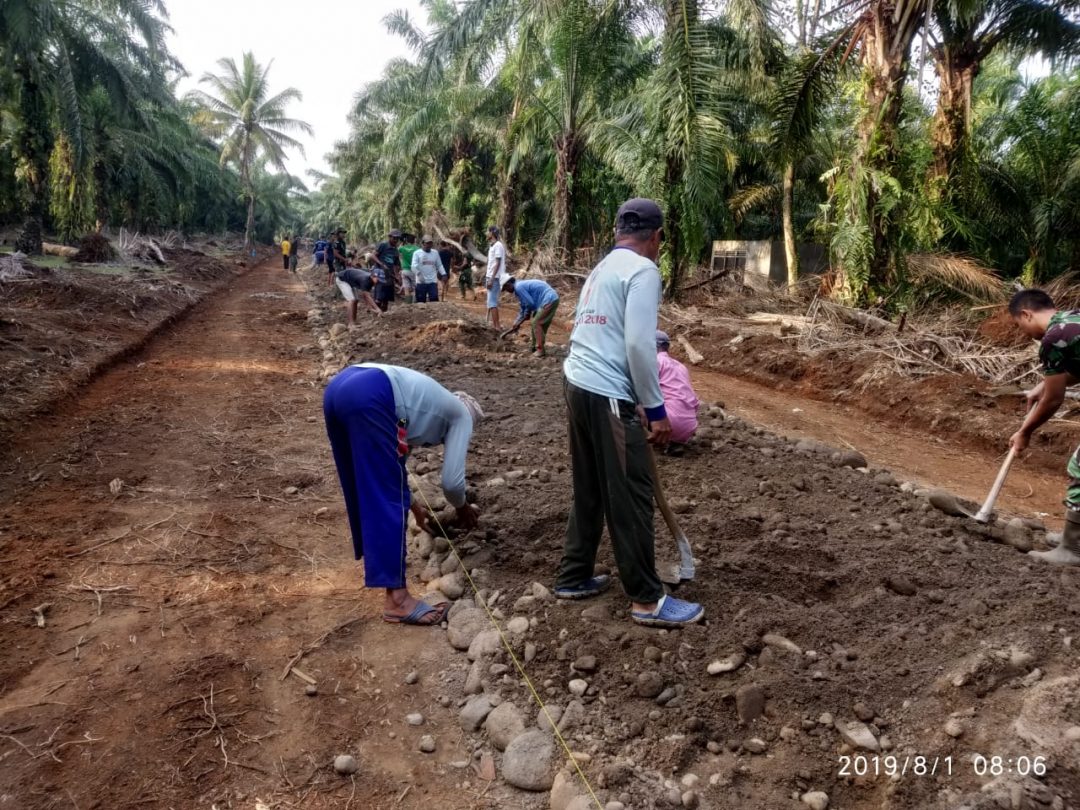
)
(408, 277)
(285, 245)
(427, 268)
(496, 270)
(539, 301)
(388, 261)
(294, 248)
(680, 401)
(356, 284)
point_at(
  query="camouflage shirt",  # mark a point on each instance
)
(1059, 350)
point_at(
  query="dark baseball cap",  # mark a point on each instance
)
(639, 214)
(396, 234)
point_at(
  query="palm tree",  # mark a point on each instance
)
(251, 122)
(57, 51)
(964, 35)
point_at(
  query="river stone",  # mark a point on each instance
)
(518, 625)
(345, 764)
(749, 702)
(729, 664)
(486, 643)
(849, 458)
(542, 717)
(452, 585)
(528, 761)
(650, 684)
(473, 683)
(815, 800)
(504, 724)
(578, 687)
(427, 744)
(464, 627)
(475, 712)
(945, 502)
(857, 735)
(564, 790)
(1018, 535)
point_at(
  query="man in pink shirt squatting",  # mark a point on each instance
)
(679, 398)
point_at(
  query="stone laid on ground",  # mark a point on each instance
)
(901, 585)
(565, 788)
(850, 458)
(1018, 535)
(475, 712)
(815, 800)
(485, 643)
(945, 502)
(729, 664)
(578, 687)
(586, 663)
(504, 724)
(519, 625)
(412, 678)
(414, 719)
(464, 627)
(749, 702)
(452, 585)
(857, 734)
(650, 684)
(473, 682)
(427, 744)
(346, 764)
(528, 761)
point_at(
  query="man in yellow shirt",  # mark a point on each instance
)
(285, 245)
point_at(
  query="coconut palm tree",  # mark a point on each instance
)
(54, 53)
(251, 123)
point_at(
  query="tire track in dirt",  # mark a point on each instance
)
(181, 520)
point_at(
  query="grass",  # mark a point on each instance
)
(51, 262)
(57, 262)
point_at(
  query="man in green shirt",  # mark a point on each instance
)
(1058, 333)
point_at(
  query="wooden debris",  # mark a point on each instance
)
(693, 355)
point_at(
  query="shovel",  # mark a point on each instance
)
(684, 571)
(986, 512)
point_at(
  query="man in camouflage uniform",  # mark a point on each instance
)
(1058, 333)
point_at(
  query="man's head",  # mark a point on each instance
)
(493, 232)
(639, 226)
(410, 238)
(663, 342)
(395, 237)
(509, 284)
(426, 242)
(1031, 311)
(340, 233)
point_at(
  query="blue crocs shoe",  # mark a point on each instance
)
(593, 586)
(670, 612)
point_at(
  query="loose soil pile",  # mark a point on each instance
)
(59, 328)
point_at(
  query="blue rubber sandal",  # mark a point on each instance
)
(419, 614)
(670, 612)
(593, 586)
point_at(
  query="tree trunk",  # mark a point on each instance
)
(32, 154)
(508, 207)
(249, 229)
(673, 225)
(787, 203)
(952, 118)
(567, 153)
(885, 49)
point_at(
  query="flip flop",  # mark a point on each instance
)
(422, 610)
(671, 613)
(593, 586)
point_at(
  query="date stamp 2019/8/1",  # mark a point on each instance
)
(897, 767)
(894, 766)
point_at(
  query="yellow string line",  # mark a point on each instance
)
(506, 644)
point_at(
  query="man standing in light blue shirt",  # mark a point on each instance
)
(611, 373)
(427, 268)
(538, 299)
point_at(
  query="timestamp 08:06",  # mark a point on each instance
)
(998, 766)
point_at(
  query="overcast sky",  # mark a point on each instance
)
(327, 49)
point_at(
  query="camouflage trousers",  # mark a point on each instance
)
(1072, 494)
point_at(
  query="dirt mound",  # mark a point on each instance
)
(458, 332)
(193, 264)
(94, 248)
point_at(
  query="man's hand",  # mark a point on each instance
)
(423, 517)
(468, 516)
(660, 432)
(1019, 441)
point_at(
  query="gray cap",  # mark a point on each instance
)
(662, 339)
(639, 214)
(425, 239)
(396, 234)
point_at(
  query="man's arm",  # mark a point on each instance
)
(455, 450)
(1047, 398)
(642, 300)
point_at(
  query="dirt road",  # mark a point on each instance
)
(178, 526)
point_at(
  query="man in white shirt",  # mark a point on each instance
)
(496, 269)
(427, 268)
(611, 374)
